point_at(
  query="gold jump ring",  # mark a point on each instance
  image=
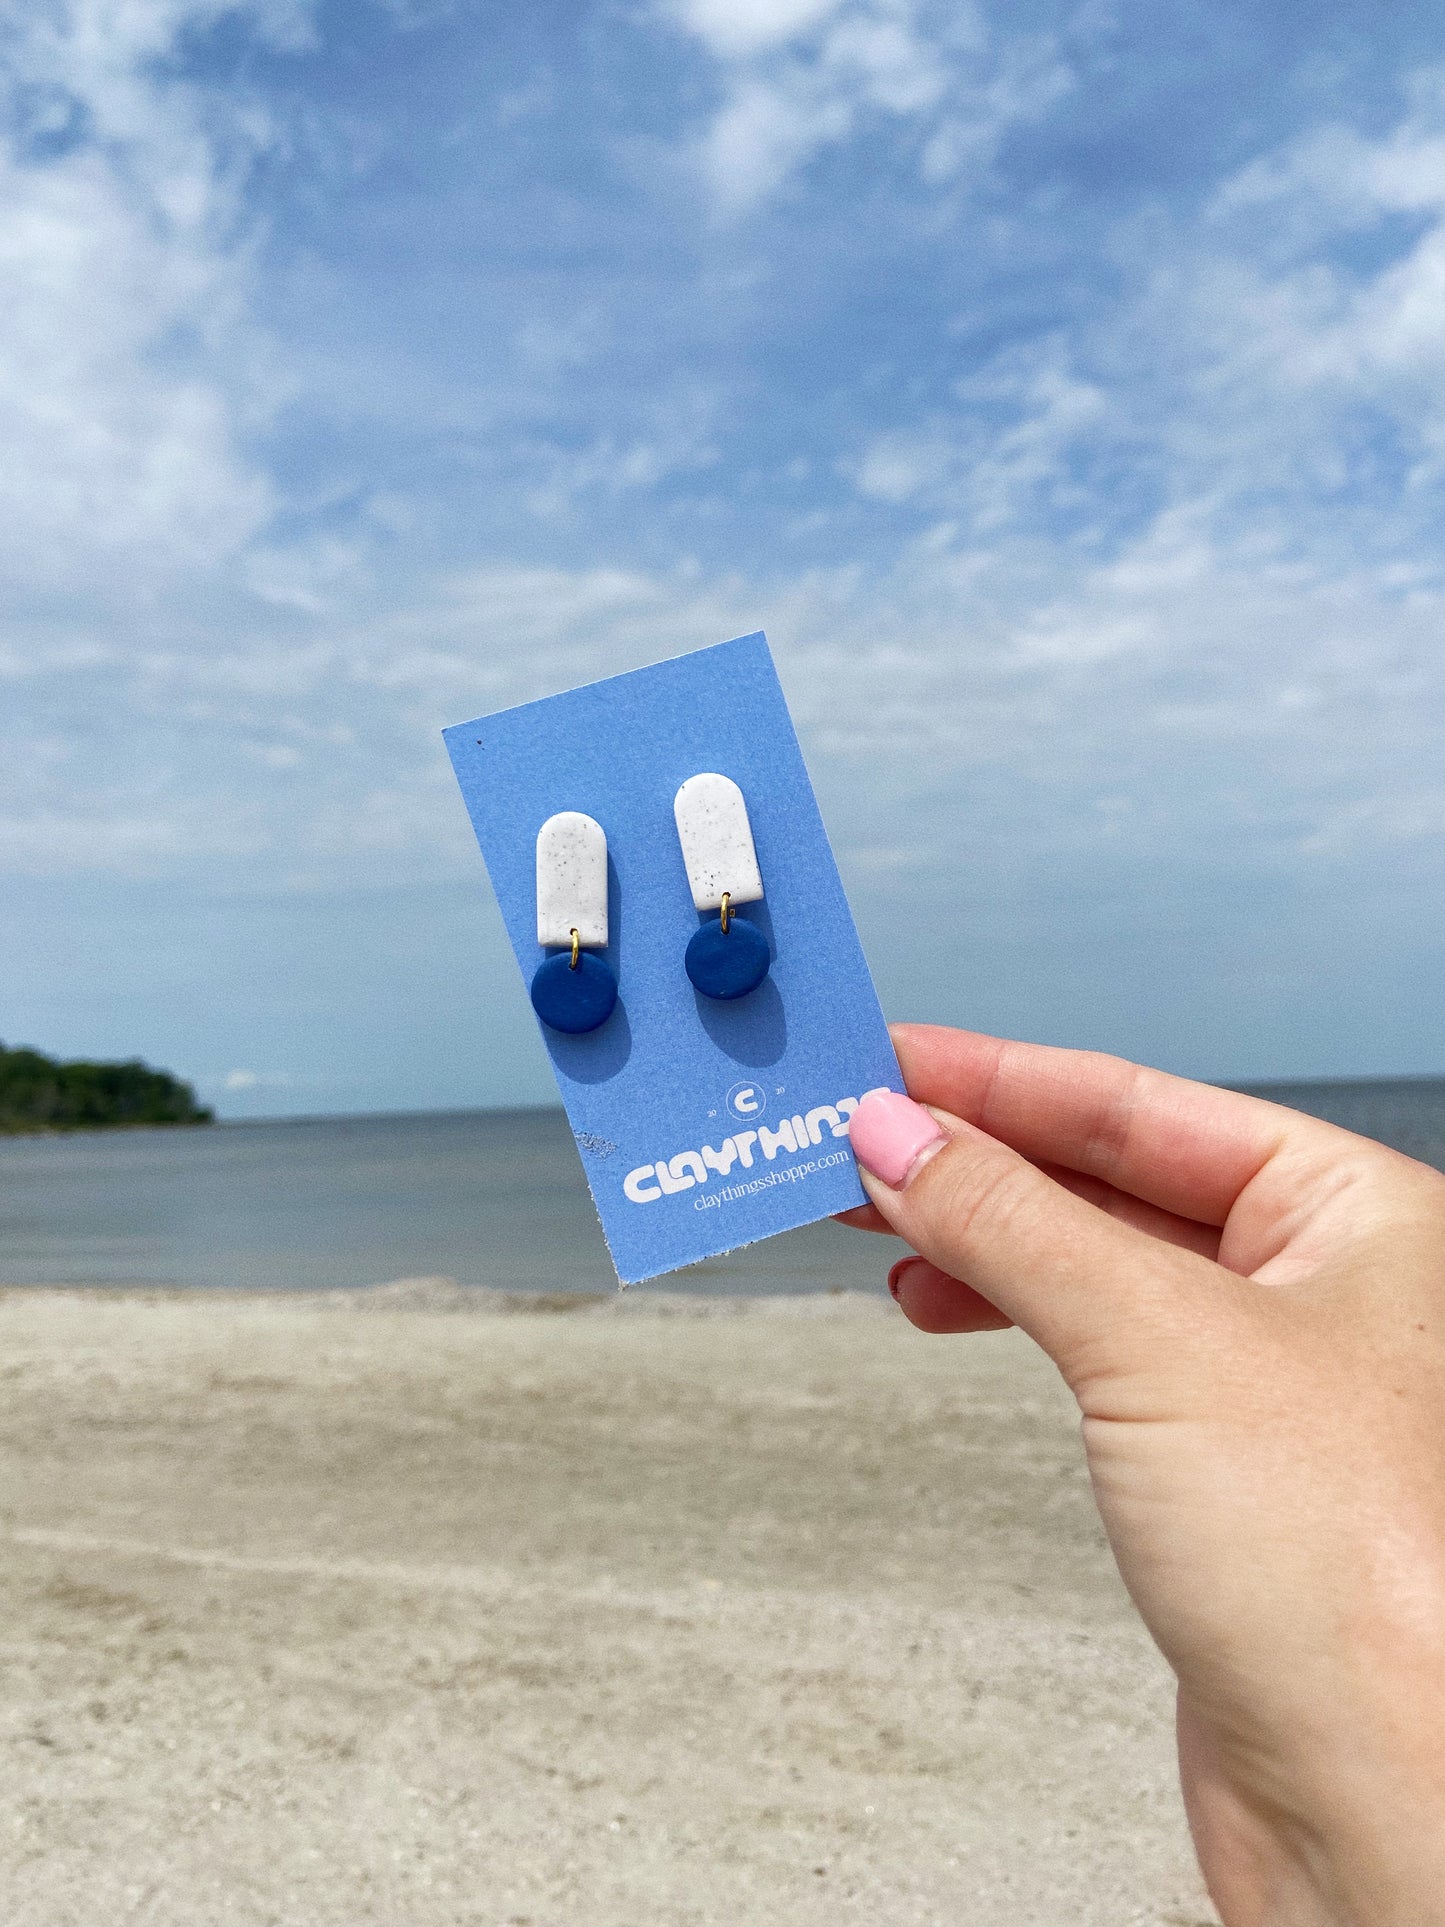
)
(726, 919)
(576, 950)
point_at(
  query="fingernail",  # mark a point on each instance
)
(895, 1277)
(891, 1135)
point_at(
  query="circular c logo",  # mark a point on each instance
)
(747, 1100)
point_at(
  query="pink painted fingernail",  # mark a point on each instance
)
(895, 1277)
(891, 1135)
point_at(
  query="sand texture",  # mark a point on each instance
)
(367, 1610)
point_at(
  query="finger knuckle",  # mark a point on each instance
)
(978, 1196)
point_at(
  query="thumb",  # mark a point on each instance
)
(1100, 1296)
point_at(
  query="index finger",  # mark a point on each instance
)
(1189, 1148)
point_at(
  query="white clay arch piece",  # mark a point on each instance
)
(717, 842)
(572, 881)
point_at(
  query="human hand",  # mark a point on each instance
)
(1249, 1307)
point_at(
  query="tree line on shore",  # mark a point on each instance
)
(40, 1093)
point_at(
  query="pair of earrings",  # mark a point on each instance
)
(575, 989)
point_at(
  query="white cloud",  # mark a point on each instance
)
(129, 378)
(800, 76)
(1144, 593)
(1288, 336)
(107, 833)
(1174, 674)
(1411, 815)
(1335, 174)
(734, 29)
(991, 477)
(1261, 395)
(763, 131)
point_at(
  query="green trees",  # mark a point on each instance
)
(39, 1093)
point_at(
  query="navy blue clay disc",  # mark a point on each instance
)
(574, 1000)
(731, 965)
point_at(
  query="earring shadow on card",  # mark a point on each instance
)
(596, 1055)
(752, 1030)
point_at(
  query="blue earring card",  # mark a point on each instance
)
(702, 1125)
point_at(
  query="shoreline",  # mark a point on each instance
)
(441, 1295)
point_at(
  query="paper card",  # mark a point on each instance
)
(702, 1125)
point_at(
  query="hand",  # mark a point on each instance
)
(1249, 1306)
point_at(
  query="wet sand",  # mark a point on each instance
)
(643, 1614)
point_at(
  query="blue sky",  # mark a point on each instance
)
(1062, 388)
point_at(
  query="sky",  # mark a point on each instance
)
(1061, 386)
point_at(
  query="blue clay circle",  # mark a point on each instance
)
(574, 1000)
(727, 966)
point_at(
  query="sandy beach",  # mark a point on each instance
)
(414, 1606)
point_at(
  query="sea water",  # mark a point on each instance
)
(486, 1197)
